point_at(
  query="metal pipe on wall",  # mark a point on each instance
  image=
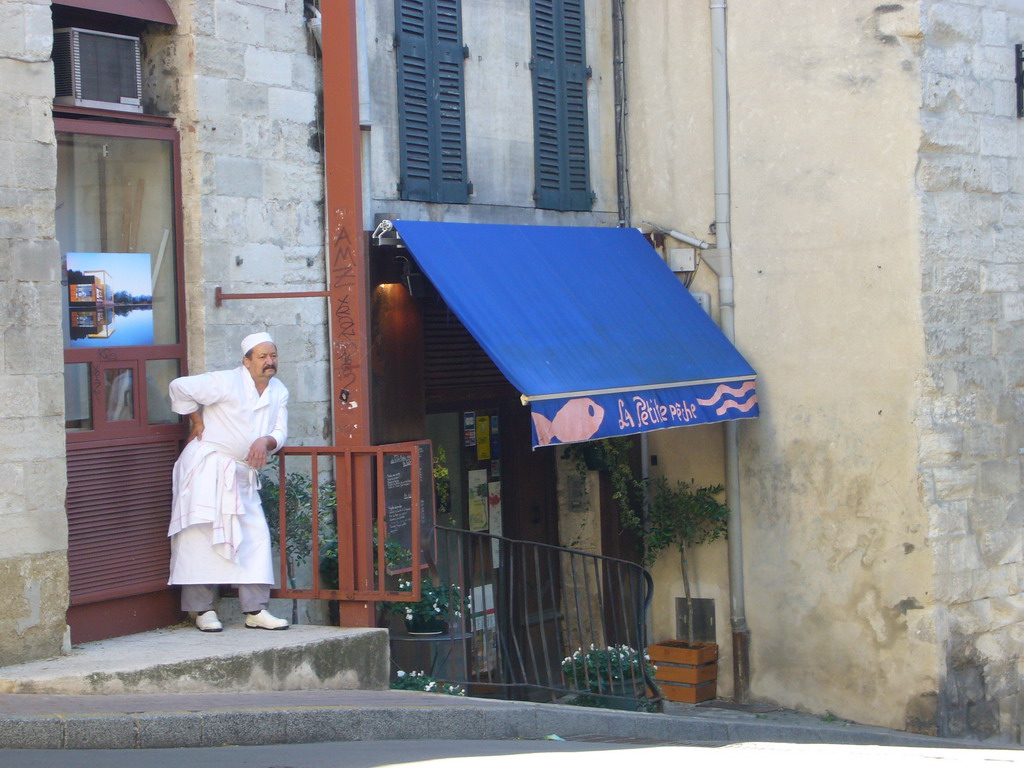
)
(727, 306)
(621, 110)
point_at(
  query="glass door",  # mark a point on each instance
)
(118, 217)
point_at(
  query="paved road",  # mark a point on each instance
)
(504, 754)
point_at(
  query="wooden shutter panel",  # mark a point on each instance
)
(432, 130)
(577, 146)
(454, 363)
(414, 120)
(561, 148)
(119, 507)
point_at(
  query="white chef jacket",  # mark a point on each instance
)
(218, 532)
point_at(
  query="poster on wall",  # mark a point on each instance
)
(495, 441)
(483, 438)
(110, 299)
(494, 520)
(484, 626)
(477, 499)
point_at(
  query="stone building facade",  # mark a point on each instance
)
(33, 555)
(239, 82)
(876, 218)
(969, 412)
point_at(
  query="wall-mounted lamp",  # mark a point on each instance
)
(386, 234)
(414, 282)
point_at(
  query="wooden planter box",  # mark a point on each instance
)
(685, 673)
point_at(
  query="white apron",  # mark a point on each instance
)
(224, 543)
(218, 532)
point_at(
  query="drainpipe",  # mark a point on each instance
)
(720, 260)
(619, 69)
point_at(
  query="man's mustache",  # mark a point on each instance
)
(269, 367)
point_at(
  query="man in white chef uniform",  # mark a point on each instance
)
(218, 532)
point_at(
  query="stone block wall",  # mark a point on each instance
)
(33, 544)
(971, 415)
(243, 79)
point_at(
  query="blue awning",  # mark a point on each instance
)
(589, 324)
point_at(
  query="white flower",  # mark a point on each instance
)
(401, 673)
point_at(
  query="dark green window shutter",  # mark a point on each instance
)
(562, 163)
(431, 111)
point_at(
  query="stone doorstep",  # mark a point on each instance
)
(184, 660)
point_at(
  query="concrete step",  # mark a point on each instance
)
(184, 660)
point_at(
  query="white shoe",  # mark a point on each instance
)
(264, 620)
(208, 622)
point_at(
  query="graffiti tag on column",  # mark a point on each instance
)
(346, 347)
(343, 269)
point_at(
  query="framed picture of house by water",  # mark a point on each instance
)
(110, 299)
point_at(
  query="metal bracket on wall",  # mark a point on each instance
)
(219, 296)
(1018, 77)
(715, 258)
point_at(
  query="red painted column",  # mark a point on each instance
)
(348, 272)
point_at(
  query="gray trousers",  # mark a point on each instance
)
(200, 597)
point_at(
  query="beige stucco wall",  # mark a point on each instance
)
(824, 133)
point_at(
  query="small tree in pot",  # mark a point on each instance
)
(683, 515)
(660, 514)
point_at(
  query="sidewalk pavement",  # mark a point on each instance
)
(51, 721)
(181, 688)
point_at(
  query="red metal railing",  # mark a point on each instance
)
(359, 480)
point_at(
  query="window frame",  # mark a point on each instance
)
(158, 129)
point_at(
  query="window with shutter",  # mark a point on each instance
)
(431, 105)
(561, 165)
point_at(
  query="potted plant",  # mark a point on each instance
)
(614, 677)
(661, 516)
(680, 516)
(298, 490)
(431, 614)
(442, 487)
(421, 681)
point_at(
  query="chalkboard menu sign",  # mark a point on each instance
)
(398, 487)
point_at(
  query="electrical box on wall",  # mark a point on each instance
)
(704, 299)
(682, 259)
(97, 69)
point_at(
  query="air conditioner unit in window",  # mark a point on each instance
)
(97, 69)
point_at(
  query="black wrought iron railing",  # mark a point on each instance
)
(540, 622)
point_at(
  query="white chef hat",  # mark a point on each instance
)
(253, 340)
